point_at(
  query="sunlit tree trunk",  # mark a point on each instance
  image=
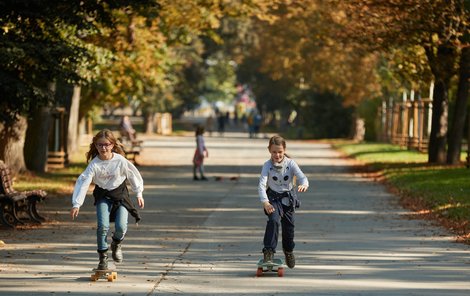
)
(72, 132)
(12, 139)
(149, 118)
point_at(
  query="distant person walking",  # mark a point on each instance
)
(257, 120)
(210, 124)
(277, 192)
(109, 170)
(199, 154)
(221, 123)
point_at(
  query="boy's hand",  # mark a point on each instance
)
(302, 188)
(268, 207)
(74, 213)
(140, 201)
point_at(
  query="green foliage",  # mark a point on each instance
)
(367, 110)
(219, 79)
(324, 115)
(41, 41)
(271, 94)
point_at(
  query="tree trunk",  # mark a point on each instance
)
(456, 132)
(149, 125)
(72, 132)
(437, 138)
(442, 67)
(37, 140)
(12, 140)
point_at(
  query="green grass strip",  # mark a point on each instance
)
(442, 190)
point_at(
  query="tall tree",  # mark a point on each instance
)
(460, 111)
(39, 42)
(433, 25)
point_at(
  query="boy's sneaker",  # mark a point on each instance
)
(268, 256)
(290, 259)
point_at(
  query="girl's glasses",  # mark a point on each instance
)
(103, 145)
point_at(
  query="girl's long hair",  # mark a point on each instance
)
(199, 130)
(108, 135)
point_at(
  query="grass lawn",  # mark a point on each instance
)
(58, 182)
(440, 192)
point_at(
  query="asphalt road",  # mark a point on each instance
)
(204, 238)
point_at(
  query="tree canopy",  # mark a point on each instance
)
(164, 55)
(45, 40)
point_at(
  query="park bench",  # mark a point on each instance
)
(17, 207)
(132, 148)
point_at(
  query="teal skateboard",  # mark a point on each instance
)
(277, 265)
(106, 274)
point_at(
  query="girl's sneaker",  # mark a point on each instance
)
(116, 251)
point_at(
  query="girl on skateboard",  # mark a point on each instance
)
(277, 192)
(199, 154)
(109, 170)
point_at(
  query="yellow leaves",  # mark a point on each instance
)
(300, 44)
(191, 15)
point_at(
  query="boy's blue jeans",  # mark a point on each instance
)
(103, 210)
(272, 230)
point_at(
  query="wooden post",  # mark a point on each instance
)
(395, 120)
(57, 155)
(420, 127)
(405, 124)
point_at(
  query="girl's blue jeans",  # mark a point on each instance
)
(103, 210)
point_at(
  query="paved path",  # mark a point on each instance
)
(204, 238)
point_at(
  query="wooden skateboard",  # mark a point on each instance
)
(106, 274)
(277, 265)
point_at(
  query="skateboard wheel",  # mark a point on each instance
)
(280, 272)
(93, 278)
(259, 272)
(110, 278)
(114, 275)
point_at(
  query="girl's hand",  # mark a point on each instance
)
(268, 207)
(302, 188)
(140, 201)
(74, 213)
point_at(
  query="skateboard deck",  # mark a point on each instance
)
(277, 265)
(107, 274)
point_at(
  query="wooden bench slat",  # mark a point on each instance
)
(13, 203)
